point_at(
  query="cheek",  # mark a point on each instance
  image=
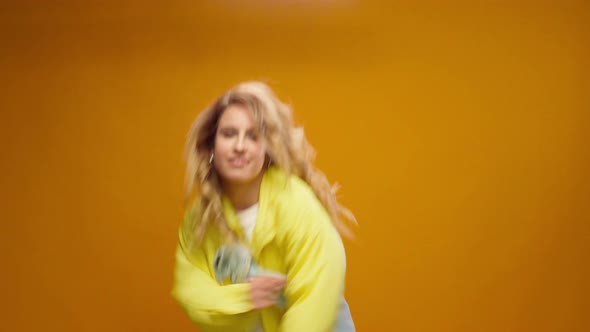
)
(261, 152)
(221, 146)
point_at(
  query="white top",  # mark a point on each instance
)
(247, 218)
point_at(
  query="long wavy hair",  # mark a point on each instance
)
(287, 148)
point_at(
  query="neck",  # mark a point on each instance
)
(243, 195)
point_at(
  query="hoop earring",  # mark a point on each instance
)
(269, 161)
(211, 159)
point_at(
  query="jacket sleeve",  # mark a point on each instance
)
(210, 305)
(315, 267)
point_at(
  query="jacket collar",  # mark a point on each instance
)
(273, 181)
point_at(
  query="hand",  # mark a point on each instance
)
(266, 289)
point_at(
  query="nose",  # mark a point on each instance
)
(239, 146)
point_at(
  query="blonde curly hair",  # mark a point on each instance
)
(287, 148)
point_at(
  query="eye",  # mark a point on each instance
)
(252, 135)
(227, 132)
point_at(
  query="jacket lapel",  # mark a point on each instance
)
(264, 230)
(231, 218)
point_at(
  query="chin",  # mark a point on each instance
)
(240, 176)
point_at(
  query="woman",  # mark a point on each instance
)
(252, 189)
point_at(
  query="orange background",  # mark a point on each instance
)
(459, 132)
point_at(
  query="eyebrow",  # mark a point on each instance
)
(235, 128)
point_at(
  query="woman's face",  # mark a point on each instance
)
(239, 147)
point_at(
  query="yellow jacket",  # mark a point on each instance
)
(294, 236)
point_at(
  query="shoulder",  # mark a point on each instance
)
(187, 231)
(290, 191)
(295, 203)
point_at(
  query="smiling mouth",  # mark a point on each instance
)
(238, 162)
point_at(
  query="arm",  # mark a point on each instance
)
(207, 303)
(315, 268)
